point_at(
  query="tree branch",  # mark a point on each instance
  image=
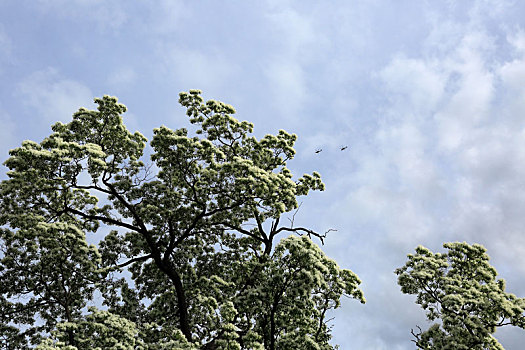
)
(259, 224)
(192, 226)
(417, 336)
(134, 260)
(308, 232)
(128, 206)
(293, 216)
(103, 219)
(240, 230)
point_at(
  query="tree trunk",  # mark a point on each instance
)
(181, 298)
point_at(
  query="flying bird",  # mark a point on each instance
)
(319, 150)
(343, 148)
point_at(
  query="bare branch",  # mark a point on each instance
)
(293, 216)
(301, 230)
(417, 336)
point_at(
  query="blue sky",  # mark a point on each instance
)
(428, 96)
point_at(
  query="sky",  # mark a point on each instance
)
(429, 97)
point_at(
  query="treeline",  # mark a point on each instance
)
(199, 228)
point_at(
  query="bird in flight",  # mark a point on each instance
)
(343, 148)
(319, 150)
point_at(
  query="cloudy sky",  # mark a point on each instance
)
(429, 96)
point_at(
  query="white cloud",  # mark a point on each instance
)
(166, 15)
(207, 71)
(517, 40)
(513, 75)
(419, 81)
(5, 49)
(106, 14)
(287, 86)
(297, 34)
(298, 43)
(452, 159)
(444, 36)
(5, 43)
(122, 77)
(53, 97)
(7, 134)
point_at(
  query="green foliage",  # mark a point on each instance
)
(46, 270)
(460, 289)
(198, 229)
(98, 330)
(298, 285)
(101, 330)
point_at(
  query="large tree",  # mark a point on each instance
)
(198, 228)
(459, 288)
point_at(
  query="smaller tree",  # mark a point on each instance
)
(459, 288)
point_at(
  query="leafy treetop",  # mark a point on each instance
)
(461, 290)
(197, 229)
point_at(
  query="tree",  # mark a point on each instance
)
(198, 229)
(461, 290)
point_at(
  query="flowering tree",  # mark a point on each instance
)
(198, 229)
(460, 289)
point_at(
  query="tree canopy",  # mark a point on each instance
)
(460, 289)
(191, 250)
(198, 228)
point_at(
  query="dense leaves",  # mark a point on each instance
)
(48, 271)
(197, 230)
(461, 290)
